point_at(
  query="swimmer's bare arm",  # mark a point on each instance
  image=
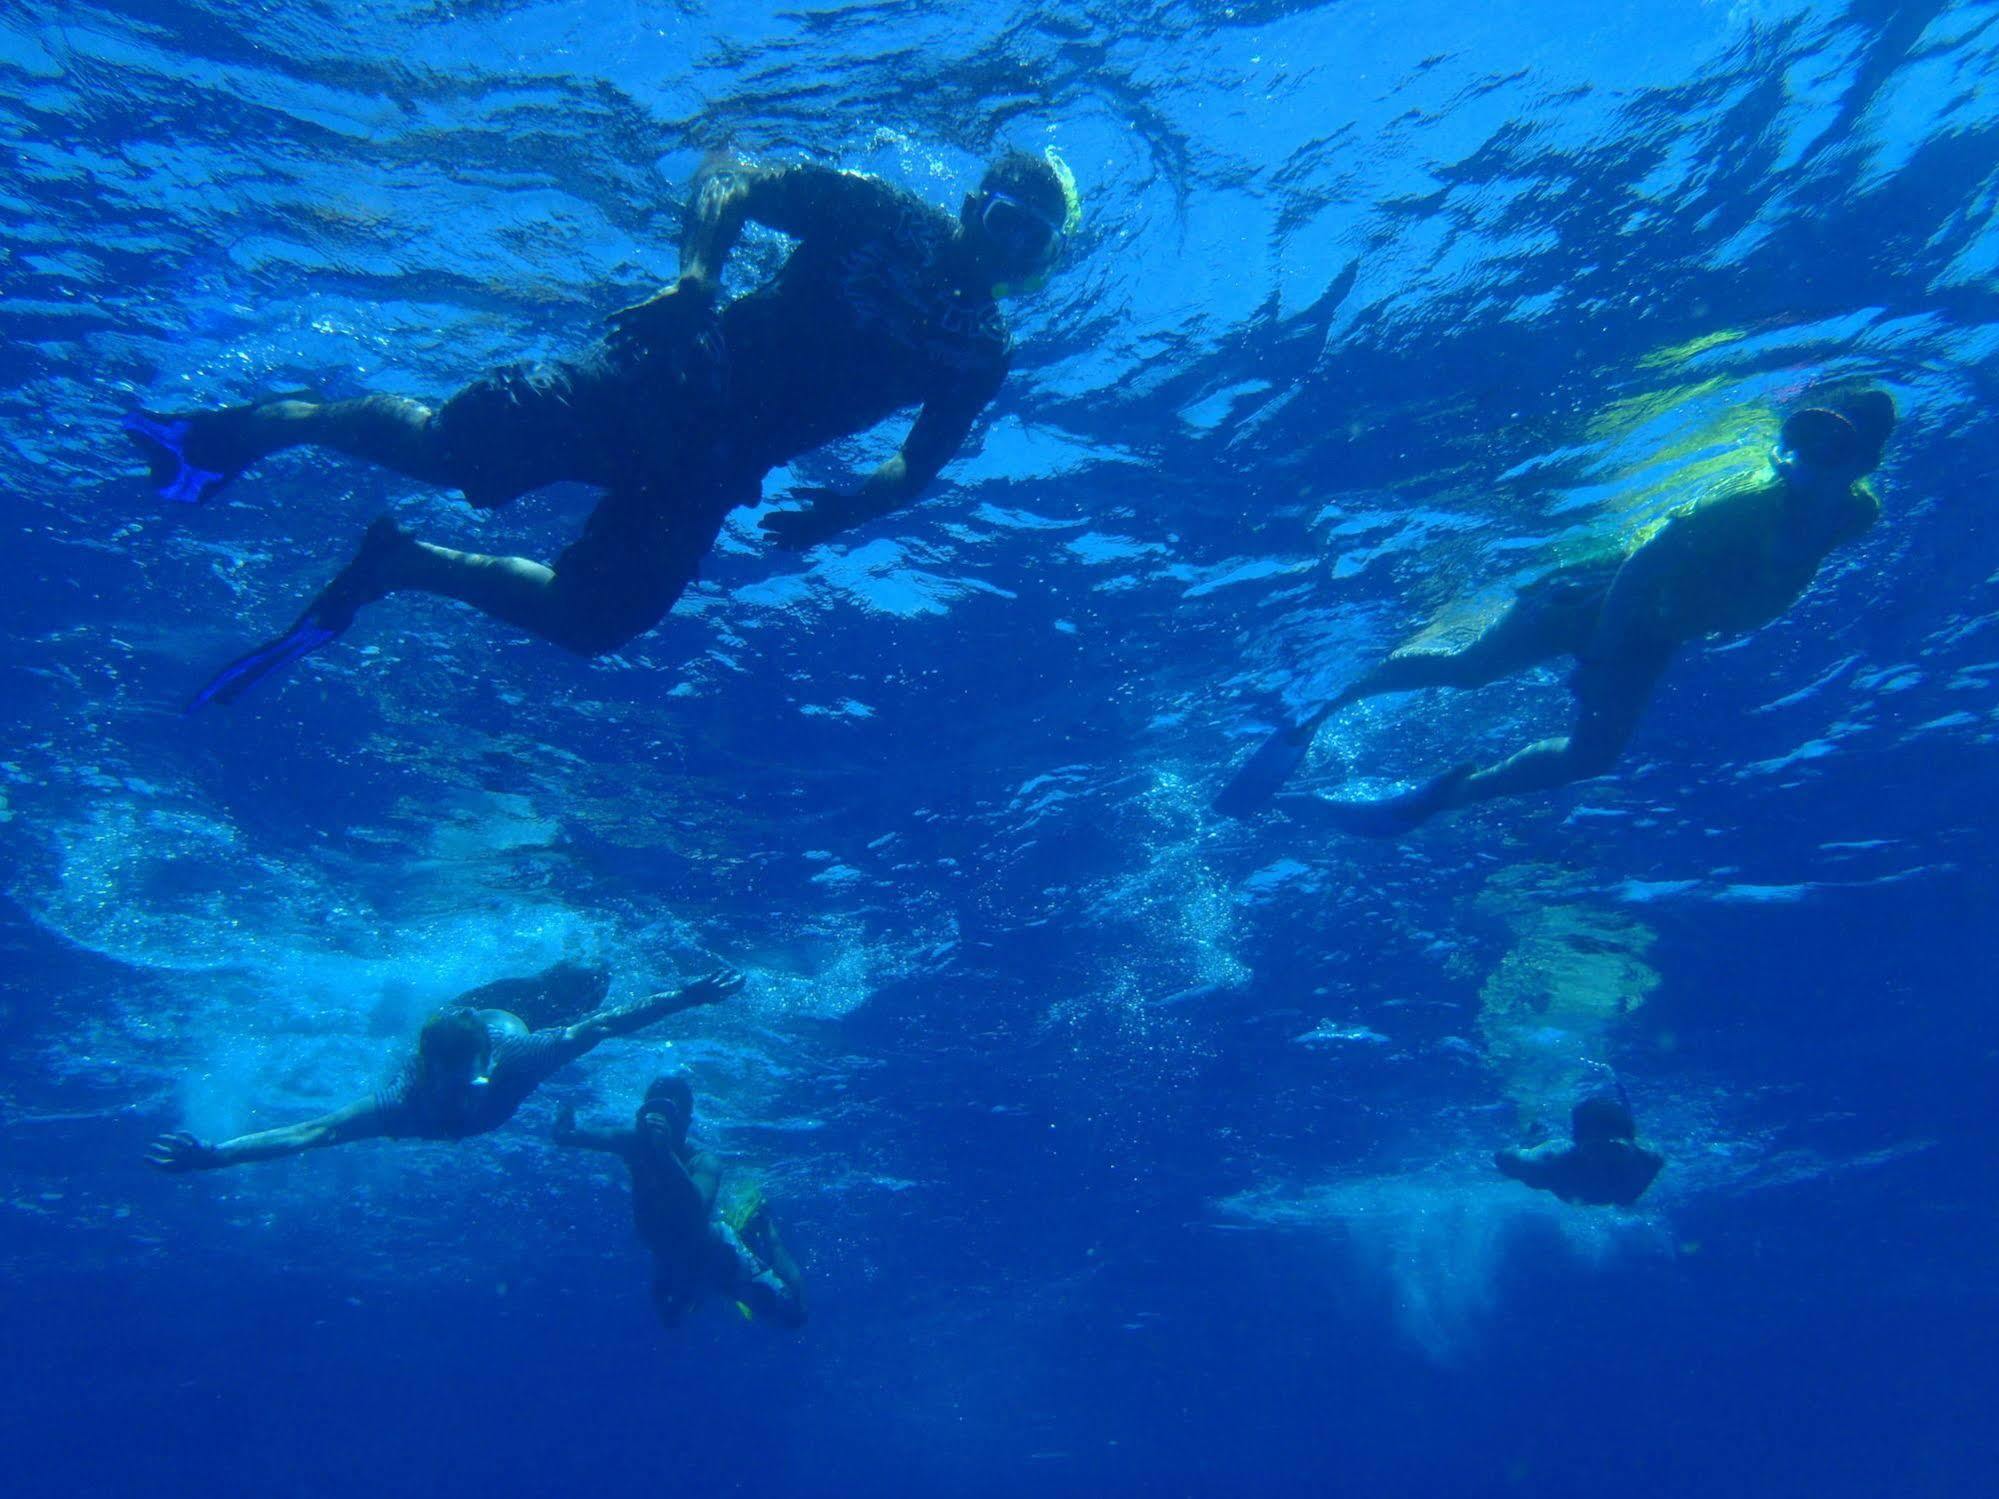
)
(940, 431)
(1532, 1166)
(181, 1151)
(617, 1142)
(622, 1020)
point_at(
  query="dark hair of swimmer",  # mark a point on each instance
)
(451, 1039)
(1846, 434)
(671, 1097)
(1031, 180)
(1596, 1119)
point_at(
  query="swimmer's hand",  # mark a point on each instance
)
(823, 518)
(671, 321)
(181, 1151)
(710, 989)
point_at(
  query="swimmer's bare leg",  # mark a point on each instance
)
(1524, 635)
(392, 431)
(1610, 698)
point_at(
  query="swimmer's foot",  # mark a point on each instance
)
(191, 456)
(1393, 816)
(325, 619)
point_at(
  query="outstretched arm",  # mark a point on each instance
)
(940, 431)
(617, 1142)
(181, 1151)
(1533, 1166)
(709, 989)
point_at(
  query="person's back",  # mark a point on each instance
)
(493, 1063)
(877, 307)
(1741, 560)
(1600, 1165)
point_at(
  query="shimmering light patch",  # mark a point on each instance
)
(1677, 447)
(878, 577)
(1177, 905)
(1431, 1244)
(1555, 1000)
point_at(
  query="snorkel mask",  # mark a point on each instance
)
(1022, 230)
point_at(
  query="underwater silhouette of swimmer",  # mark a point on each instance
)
(675, 1185)
(1726, 566)
(1600, 1165)
(475, 1063)
(885, 302)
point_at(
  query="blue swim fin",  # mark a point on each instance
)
(1264, 773)
(162, 441)
(325, 619)
(250, 668)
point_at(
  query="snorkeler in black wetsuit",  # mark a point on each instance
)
(473, 1067)
(1601, 1165)
(886, 302)
(674, 1189)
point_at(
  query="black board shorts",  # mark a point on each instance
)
(651, 431)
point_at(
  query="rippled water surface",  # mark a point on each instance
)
(1128, 1150)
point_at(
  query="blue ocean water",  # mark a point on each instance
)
(1127, 1150)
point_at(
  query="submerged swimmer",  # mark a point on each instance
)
(473, 1067)
(674, 1191)
(1727, 566)
(1602, 1164)
(885, 302)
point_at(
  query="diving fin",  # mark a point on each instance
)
(223, 444)
(1264, 773)
(250, 668)
(325, 620)
(162, 441)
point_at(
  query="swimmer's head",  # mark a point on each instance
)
(1600, 1119)
(452, 1042)
(1020, 219)
(669, 1100)
(1841, 440)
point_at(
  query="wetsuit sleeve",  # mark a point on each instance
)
(944, 424)
(1533, 1167)
(806, 202)
(941, 428)
(395, 1101)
